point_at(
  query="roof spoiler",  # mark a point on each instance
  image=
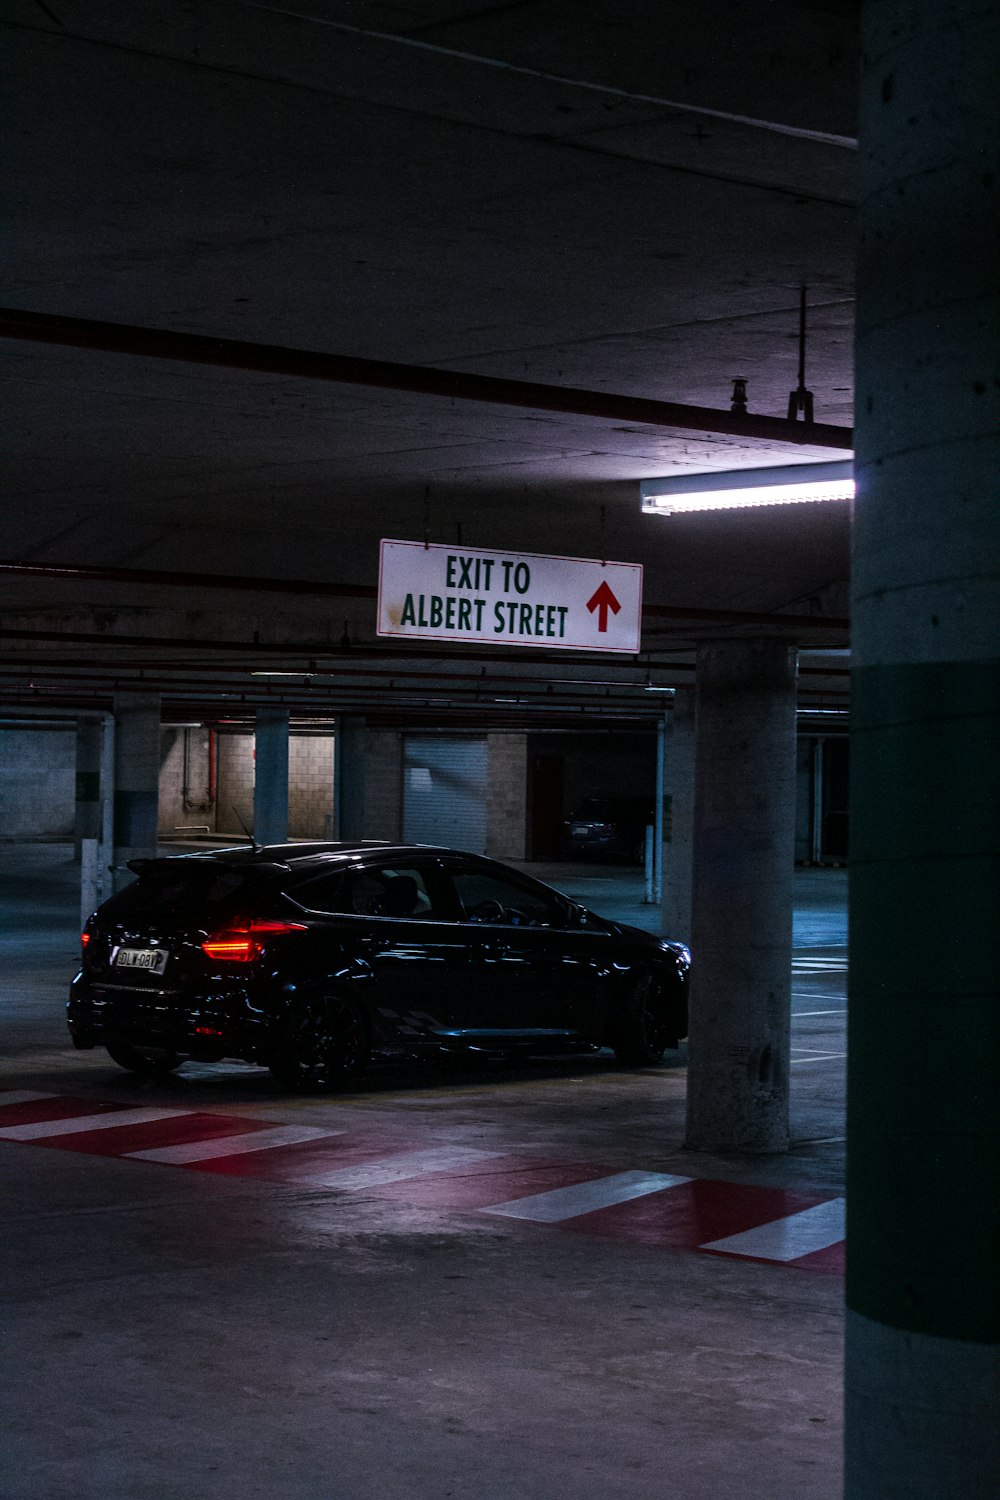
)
(144, 863)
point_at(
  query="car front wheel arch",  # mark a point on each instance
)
(320, 1041)
(644, 1022)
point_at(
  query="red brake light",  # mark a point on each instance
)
(241, 943)
(84, 939)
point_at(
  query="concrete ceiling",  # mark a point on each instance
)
(625, 198)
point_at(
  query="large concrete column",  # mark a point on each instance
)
(349, 778)
(137, 778)
(87, 823)
(744, 843)
(270, 785)
(923, 1324)
(679, 832)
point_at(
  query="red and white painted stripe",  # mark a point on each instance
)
(657, 1209)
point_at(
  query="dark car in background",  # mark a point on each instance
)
(612, 828)
(311, 959)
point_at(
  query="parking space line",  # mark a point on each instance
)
(820, 1057)
(78, 1123)
(398, 1168)
(232, 1145)
(787, 1239)
(586, 1197)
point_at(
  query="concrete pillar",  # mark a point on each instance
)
(679, 821)
(744, 844)
(923, 1320)
(349, 778)
(270, 785)
(507, 796)
(88, 782)
(137, 779)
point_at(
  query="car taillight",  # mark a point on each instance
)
(243, 942)
(84, 938)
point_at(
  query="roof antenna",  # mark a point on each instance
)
(253, 842)
(801, 400)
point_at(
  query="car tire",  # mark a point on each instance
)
(321, 1043)
(152, 1062)
(644, 1029)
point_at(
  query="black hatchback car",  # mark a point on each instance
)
(311, 959)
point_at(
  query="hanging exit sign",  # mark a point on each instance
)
(430, 592)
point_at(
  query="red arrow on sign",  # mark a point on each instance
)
(602, 600)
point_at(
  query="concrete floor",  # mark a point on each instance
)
(181, 1332)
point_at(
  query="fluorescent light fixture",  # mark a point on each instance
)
(282, 674)
(788, 485)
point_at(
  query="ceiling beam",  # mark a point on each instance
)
(457, 385)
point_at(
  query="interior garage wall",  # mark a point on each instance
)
(310, 785)
(383, 784)
(234, 783)
(185, 792)
(506, 795)
(37, 783)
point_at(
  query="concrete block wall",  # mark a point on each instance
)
(506, 795)
(310, 786)
(177, 811)
(383, 784)
(37, 783)
(235, 783)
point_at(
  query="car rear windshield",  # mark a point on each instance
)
(179, 889)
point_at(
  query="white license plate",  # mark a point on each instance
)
(148, 960)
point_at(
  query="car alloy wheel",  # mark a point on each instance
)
(322, 1042)
(643, 1032)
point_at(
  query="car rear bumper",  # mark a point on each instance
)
(228, 1023)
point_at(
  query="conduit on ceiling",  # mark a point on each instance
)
(276, 359)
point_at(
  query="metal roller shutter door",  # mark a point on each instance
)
(444, 792)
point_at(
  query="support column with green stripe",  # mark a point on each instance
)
(923, 1156)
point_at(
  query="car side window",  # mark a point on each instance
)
(326, 893)
(489, 898)
(390, 891)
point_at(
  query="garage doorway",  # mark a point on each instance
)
(444, 792)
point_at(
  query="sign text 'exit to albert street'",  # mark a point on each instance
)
(432, 592)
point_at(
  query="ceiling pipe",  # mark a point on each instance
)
(277, 359)
(165, 578)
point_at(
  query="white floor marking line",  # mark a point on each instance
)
(41, 1129)
(841, 1010)
(23, 1096)
(233, 1145)
(585, 1197)
(399, 1168)
(823, 1056)
(786, 1239)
